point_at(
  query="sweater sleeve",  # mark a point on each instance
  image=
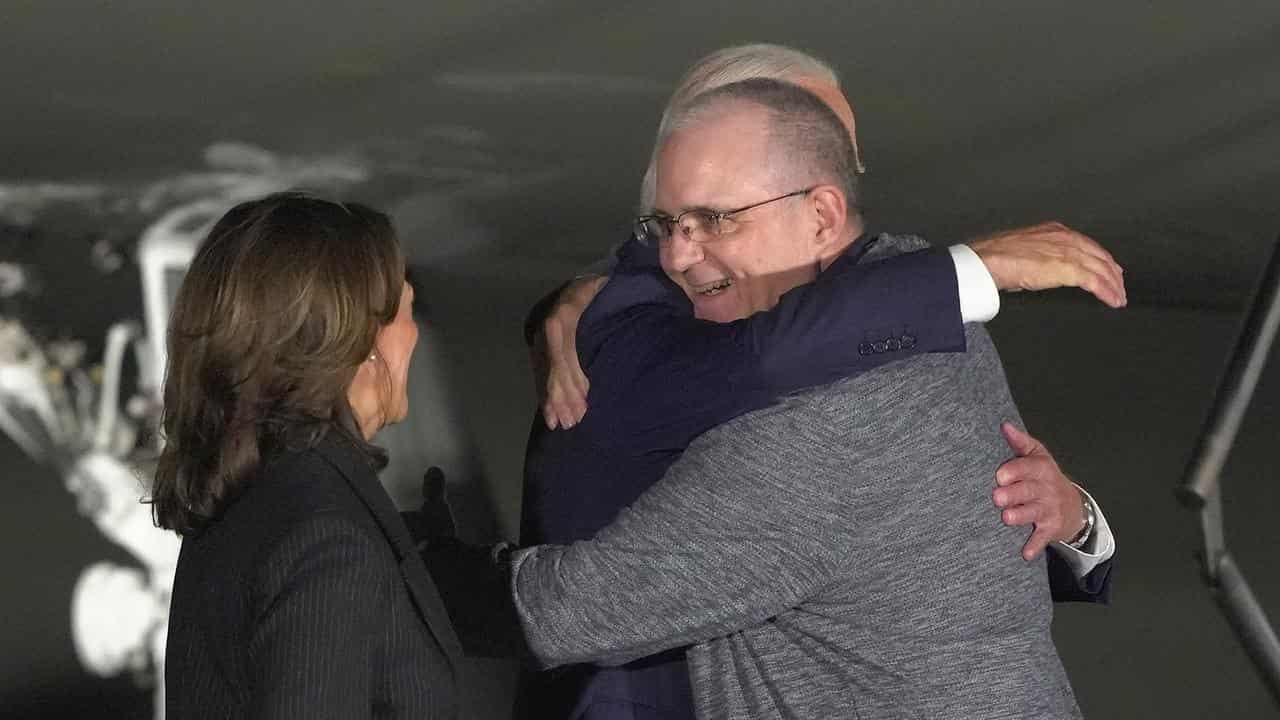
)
(739, 530)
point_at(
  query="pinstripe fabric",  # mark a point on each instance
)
(300, 602)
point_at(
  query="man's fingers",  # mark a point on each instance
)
(1033, 513)
(1100, 277)
(1021, 515)
(1101, 288)
(571, 413)
(1018, 493)
(1036, 544)
(1086, 253)
(554, 409)
(1093, 249)
(574, 409)
(564, 406)
(573, 394)
(1084, 243)
(1072, 266)
(1089, 246)
(578, 379)
(1020, 441)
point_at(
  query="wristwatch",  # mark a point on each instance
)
(1090, 518)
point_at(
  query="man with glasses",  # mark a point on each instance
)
(648, 411)
(834, 555)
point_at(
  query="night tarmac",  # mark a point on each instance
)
(508, 145)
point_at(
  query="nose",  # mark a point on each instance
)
(679, 253)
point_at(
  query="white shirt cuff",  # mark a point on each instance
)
(1099, 548)
(979, 298)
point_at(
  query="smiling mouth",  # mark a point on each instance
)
(713, 289)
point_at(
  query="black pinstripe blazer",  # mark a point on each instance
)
(307, 599)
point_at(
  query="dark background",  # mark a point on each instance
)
(508, 140)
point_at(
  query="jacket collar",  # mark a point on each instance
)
(358, 471)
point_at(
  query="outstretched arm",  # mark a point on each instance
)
(663, 377)
(1038, 257)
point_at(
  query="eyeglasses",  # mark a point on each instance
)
(699, 225)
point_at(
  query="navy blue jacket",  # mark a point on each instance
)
(660, 377)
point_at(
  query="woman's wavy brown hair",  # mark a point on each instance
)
(281, 304)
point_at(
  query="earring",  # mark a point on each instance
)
(373, 356)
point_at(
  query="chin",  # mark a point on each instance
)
(720, 317)
(718, 311)
(725, 307)
(394, 416)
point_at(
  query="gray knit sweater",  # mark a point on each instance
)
(834, 556)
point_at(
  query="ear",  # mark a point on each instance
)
(831, 214)
(365, 394)
(367, 375)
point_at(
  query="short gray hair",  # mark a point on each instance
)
(727, 66)
(806, 141)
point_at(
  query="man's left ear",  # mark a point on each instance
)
(832, 213)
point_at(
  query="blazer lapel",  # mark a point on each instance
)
(362, 478)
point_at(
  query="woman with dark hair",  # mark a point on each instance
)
(298, 592)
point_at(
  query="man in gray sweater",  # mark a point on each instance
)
(835, 555)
